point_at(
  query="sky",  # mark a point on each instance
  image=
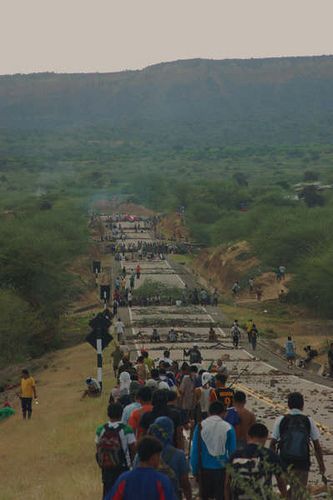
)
(115, 35)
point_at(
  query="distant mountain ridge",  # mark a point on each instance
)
(276, 100)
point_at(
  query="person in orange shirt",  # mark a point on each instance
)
(144, 396)
(28, 391)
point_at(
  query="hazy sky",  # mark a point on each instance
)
(112, 35)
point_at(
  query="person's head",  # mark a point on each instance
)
(119, 319)
(140, 359)
(162, 429)
(220, 380)
(193, 370)
(154, 373)
(205, 378)
(236, 321)
(144, 395)
(240, 398)
(166, 354)
(219, 362)
(217, 408)
(295, 401)
(257, 434)
(160, 398)
(149, 451)
(185, 368)
(25, 373)
(162, 371)
(289, 338)
(195, 347)
(115, 411)
(172, 397)
(145, 354)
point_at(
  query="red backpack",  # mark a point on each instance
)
(110, 453)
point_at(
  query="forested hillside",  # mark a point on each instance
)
(267, 101)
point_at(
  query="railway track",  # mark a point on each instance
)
(266, 386)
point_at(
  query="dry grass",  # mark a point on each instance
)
(52, 456)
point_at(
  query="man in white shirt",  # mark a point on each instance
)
(120, 330)
(291, 437)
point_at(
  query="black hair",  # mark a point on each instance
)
(166, 354)
(160, 397)
(216, 408)
(25, 371)
(295, 400)
(172, 396)
(115, 410)
(193, 369)
(140, 359)
(221, 378)
(240, 397)
(145, 394)
(145, 354)
(154, 373)
(162, 371)
(147, 447)
(258, 431)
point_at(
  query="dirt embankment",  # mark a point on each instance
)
(222, 266)
(172, 227)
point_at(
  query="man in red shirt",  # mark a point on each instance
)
(146, 406)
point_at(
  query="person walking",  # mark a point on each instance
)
(292, 435)
(204, 396)
(116, 355)
(330, 360)
(175, 459)
(290, 350)
(254, 337)
(252, 468)
(115, 447)
(214, 440)
(144, 482)
(120, 330)
(28, 392)
(246, 419)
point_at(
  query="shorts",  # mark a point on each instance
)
(212, 484)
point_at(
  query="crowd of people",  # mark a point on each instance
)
(167, 423)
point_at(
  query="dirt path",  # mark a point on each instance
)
(267, 381)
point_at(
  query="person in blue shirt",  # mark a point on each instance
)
(163, 430)
(144, 482)
(214, 440)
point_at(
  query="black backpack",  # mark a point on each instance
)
(294, 445)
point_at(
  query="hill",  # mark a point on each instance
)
(263, 101)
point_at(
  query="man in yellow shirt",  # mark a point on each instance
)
(28, 391)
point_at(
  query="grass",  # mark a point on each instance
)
(52, 456)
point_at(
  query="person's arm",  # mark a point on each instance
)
(179, 437)
(231, 441)
(194, 459)
(186, 486)
(34, 389)
(281, 485)
(273, 444)
(227, 486)
(132, 451)
(319, 456)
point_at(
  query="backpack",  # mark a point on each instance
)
(195, 357)
(251, 472)
(294, 442)
(110, 453)
(164, 468)
(226, 395)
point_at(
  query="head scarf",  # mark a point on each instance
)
(206, 376)
(163, 429)
(124, 382)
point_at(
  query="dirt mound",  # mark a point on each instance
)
(224, 265)
(172, 227)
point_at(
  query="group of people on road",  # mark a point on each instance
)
(167, 422)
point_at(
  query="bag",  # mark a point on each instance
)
(164, 468)
(294, 443)
(110, 453)
(254, 471)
